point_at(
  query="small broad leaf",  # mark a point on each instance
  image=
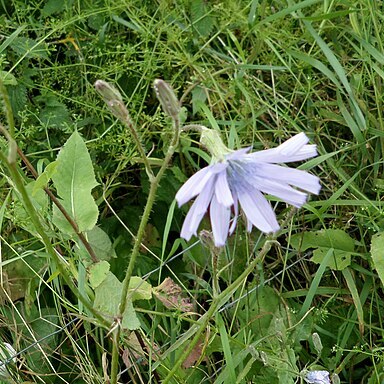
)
(101, 244)
(139, 289)
(377, 253)
(98, 272)
(322, 241)
(44, 178)
(74, 181)
(7, 78)
(107, 299)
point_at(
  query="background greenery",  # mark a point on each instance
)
(261, 71)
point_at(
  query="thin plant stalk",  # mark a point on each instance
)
(154, 184)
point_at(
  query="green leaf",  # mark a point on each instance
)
(201, 20)
(43, 179)
(377, 253)
(53, 6)
(74, 181)
(98, 272)
(40, 202)
(343, 246)
(139, 289)
(7, 78)
(27, 47)
(101, 244)
(107, 299)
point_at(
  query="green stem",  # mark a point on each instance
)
(154, 184)
(147, 165)
(216, 303)
(7, 109)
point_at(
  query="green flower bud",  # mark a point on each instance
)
(113, 99)
(167, 98)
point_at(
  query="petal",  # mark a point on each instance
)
(258, 211)
(236, 155)
(294, 149)
(295, 177)
(292, 145)
(236, 209)
(220, 216)
(222, 191)
(196, 183)
(197, 211)
(280, 190)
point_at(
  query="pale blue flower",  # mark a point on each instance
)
(317, 377)
(240, 179)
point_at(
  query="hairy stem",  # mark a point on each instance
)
(154, 184)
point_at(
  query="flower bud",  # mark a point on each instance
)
(113, 99)
(317, 343)
(167, 98)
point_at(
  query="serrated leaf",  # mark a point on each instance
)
(201, 19)
(18, 97)
(74, 181)
(43, 179)
(198, 96)
(27, 47)
(52, 6)
(324, 240)
(98, 272)
(377, 253)
(107, 299)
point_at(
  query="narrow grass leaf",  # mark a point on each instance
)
(287, 11)
(316, 64)
(315, 283)
(355, 297)
(339, 71)
(229, 365)
(167, 227)
(352, 125)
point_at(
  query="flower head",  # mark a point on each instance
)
(317, 377)
(242, 178)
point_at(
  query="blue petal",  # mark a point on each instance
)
(220, 216)
(295, 177)
(196, 183)
(236, 209)
(258, 211)
(222, 191)
(197, 211)
(294, 149)
(280, 190)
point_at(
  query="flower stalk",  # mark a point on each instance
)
(169, 104)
